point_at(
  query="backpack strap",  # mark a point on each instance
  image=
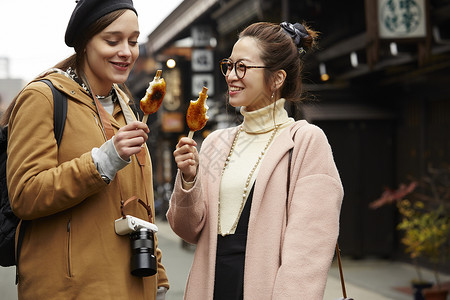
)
(59, 111)
(59, 120)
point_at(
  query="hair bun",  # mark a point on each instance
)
(297, 32)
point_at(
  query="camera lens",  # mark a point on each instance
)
(143, 260)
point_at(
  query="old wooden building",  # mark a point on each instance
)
(378, 85)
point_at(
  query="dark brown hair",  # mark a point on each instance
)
(76, 61)
(279, 52)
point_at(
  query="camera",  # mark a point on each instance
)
(142, 242)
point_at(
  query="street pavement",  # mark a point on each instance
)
(367, 279)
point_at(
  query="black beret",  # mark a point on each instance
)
(87, 12)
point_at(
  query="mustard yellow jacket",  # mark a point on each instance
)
(71, 250)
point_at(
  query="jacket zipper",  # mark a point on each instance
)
(95, 118)
(69, 267)
(100, 126)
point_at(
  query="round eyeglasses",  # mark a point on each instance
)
(226, 66)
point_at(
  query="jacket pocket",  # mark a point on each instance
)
(68, 250)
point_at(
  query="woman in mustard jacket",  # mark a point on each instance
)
(71, 194)
(254, 239)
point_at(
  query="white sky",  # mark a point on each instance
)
(32, 31)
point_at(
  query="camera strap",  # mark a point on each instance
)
(141, 157)
(147, 207)
(103, 115)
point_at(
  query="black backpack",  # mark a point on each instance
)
(8, 221)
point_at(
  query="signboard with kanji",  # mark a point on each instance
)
(201, 80)
(401, 19)
(202, 60)
(201, 35)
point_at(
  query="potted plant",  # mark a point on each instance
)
(425, 224)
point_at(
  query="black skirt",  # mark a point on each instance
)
(230, 259)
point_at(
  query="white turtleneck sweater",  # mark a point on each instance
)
(258, 127)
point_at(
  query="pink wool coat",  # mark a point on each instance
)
(281, 262)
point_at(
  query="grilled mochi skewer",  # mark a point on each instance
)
(196, 114)
(154, 96)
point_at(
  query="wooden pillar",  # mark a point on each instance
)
(372, 39)
(285, 11)
(424, 46)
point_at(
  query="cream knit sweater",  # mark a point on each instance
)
(258, 127)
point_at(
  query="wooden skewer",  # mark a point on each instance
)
(191, 134)
(145, 118)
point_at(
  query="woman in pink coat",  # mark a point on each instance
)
(255, 239)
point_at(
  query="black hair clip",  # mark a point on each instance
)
(296, 31)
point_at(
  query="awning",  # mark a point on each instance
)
(235, 13)
(180, 19)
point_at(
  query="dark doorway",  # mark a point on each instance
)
(364, 154)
